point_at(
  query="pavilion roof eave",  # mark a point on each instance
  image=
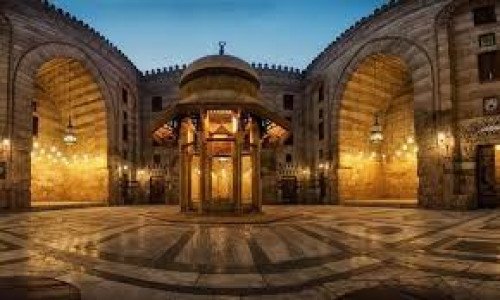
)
(186, 108)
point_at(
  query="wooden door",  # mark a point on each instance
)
(488, 196)
(157, 190)
(289, 189)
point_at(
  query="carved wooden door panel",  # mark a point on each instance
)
(488, 196)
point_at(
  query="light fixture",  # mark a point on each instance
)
(410, 140)
(376, 134)
(405, 147)
(497, 147)
(6, 143)
(441, 137)
(69, 137)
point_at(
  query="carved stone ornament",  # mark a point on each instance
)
(480, 128)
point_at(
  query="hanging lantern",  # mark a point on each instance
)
(69, 137)
(376, 134)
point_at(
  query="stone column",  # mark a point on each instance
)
(182, 168)
(204, 170)
(237, 168)
(256, 184)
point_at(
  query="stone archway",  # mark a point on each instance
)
(24, 87)
(420, 70)
(380, 90)
(60, 173)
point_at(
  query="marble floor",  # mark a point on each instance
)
(293, 252)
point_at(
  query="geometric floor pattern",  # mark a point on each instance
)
(310, 252)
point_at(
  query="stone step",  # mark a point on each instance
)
(393, 203)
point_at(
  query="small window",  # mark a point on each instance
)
(125, 132)
(485, 15)
(34, 106)
(155, 143)
(288, 158)
(289, 119)
(289, 140)
(124, 96)
(125, 116)
(125, 154)
(487, 40)
(157, 159)
(156, 104)
(320, 154)
(321, 93)
(321, 131)
(288, 102)
(320, 114)
(489, 66)
(36, 124)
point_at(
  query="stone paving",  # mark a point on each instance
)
(314, 252)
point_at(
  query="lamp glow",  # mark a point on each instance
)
(6, 143)
(441, 137)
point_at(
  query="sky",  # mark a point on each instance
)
(159, 33)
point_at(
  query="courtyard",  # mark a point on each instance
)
(288, 252)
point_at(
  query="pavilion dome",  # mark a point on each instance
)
(221, 64)
(222, 75)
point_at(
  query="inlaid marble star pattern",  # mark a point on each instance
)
(315, 252)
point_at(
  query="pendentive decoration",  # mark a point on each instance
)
(69, 137)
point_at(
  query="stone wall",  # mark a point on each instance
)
(39, 33)
(415, 45)
(435, 40)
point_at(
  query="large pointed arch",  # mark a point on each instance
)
(23, 92)
(422, 71)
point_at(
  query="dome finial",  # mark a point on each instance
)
(222, 46)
